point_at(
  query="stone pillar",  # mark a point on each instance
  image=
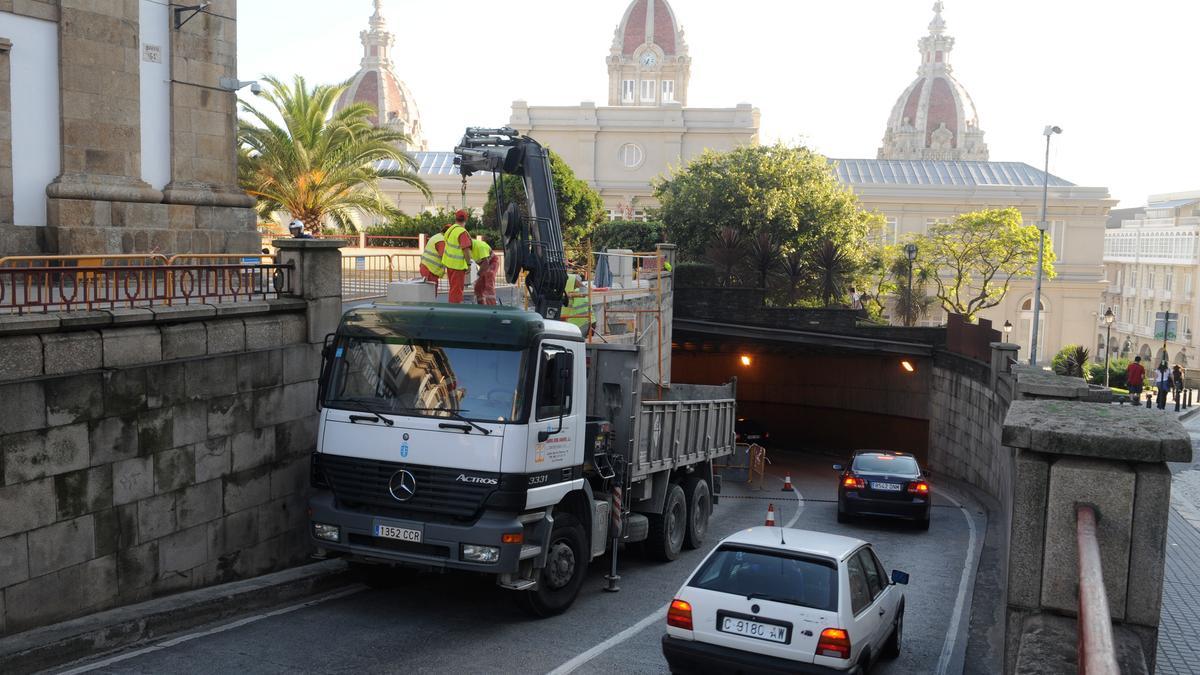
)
(203, 188)
(6, 158)
(317, 278)
(99, 62)
(1070, 453)
(1003, 356)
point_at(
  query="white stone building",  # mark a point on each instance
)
(1152, 264)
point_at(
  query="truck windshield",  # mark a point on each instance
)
(417, 377)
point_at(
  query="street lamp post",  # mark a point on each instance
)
(910, 250)
(1108, 322)
(1007, 329)
(1042, 226)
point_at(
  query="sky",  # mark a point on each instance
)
(1118, 77)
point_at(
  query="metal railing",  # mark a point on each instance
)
(1097, 653)
(47, 288)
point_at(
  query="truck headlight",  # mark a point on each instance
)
(480, 554)
(327, 532)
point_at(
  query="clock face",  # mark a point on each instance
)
(649, 59)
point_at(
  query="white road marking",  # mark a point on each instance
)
(570, 666)
(799, 507)
(211, 631)
(960, 602)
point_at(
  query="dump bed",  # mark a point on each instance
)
(690, 424)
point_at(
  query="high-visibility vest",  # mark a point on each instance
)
(576, 310)
(452, 255)
(430, 257)
(480, 250)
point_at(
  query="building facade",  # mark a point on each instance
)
(1152, 266)
(644, 132)
(118, 129)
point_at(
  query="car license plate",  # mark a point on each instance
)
(754, 629)
(401, 533)
(886, 487)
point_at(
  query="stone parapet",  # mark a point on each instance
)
(1072, 452)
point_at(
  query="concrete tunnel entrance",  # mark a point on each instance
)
(815, 397)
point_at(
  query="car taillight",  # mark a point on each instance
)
(680, 614)
(918, 487)
(853, 482)
(834, 642)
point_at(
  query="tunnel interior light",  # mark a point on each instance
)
(746, 360)
(907, 366)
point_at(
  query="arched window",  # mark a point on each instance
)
(1027, 305)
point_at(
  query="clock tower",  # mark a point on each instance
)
(648, 64)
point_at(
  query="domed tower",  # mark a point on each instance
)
(648, 64)
(376, 83)
(935, 117)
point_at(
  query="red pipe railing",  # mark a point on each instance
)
(1097, 654)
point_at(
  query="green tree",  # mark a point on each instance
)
(973, 260)
(580, 207)
(319, 166)
(430, 223)
(789, 193)
(1072, 360)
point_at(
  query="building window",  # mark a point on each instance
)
(627, 91)
(1183, 325)
(1169, 279)
(1187, 285)
(668, 91)
(648, 90)
(1133, 277)
(891, 230)
(631, 155)
(1149, 278)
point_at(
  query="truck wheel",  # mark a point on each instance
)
(566, 564)
(699, 503)
(667, 528)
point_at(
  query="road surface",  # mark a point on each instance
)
(464, 624)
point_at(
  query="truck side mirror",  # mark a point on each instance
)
(327, 355)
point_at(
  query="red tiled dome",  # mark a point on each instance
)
(655, 15)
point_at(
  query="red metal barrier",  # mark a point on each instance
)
(1097, 654)
(48, 289)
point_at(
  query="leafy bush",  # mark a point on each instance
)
(431, 223)
(696, 275)
(631, 234)
(1072, 360)
(1116, 372)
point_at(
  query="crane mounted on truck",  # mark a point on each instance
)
(496, 440)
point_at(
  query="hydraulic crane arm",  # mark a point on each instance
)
(533, 243)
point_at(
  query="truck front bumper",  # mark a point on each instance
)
(441, 543)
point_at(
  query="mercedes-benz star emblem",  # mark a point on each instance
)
(402, 485)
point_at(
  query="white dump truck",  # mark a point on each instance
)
(497, 440)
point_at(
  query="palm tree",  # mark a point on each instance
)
(794, 271)
(831, 267)
(318, 165)
(727, 252)
(912, 303)
(764, 257)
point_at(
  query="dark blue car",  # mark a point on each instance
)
(883, 483)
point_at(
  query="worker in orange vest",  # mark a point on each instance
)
(455, 250)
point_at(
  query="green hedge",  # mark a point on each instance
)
(428, 224)
(635, 235)
(1116, 372)
(696, 275)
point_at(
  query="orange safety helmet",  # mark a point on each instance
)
(460, 216)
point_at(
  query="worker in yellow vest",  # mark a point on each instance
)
(454, 255)
(432, 268)
(485, 283)
(576, 308)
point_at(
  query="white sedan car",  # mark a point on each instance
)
(772, 599)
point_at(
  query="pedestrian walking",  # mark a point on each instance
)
(856, 299)
(1135, 376)
(1162, 382)
(1177, 382)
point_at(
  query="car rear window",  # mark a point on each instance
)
(901, 466)
(770, 575)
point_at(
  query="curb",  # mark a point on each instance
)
(106, 631)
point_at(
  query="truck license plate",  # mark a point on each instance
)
(754, 629)
(886, 487)
(401, 533)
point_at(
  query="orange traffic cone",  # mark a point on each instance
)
(787, 482)
(770, 515)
